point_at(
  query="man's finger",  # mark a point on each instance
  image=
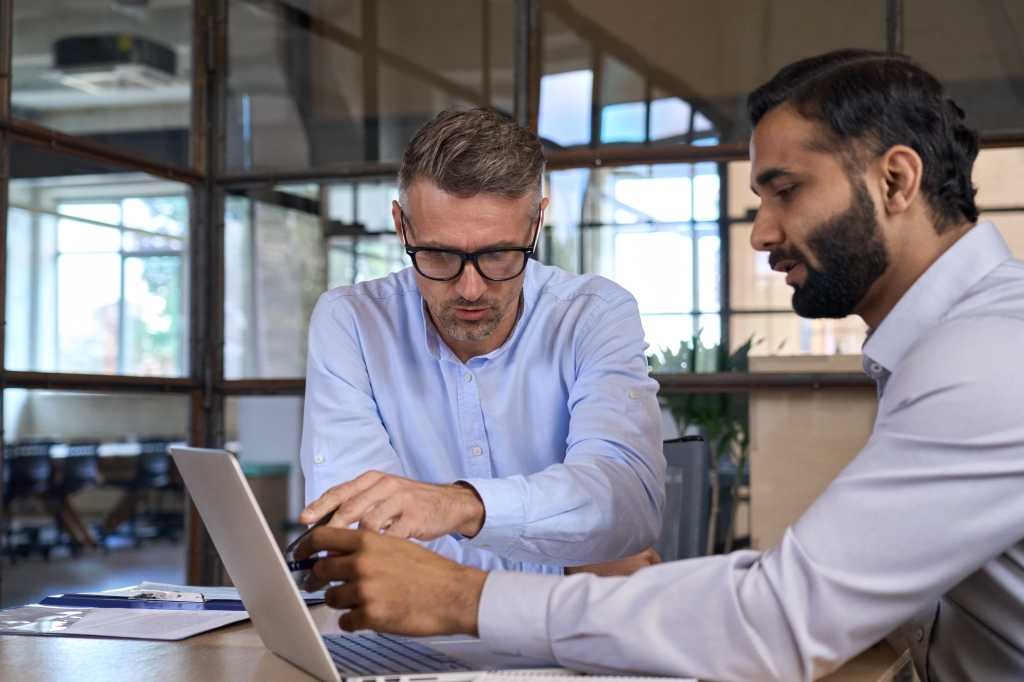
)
(337, 540)
(353, 620)
(313, 584)
(337, 496)
(400, 528)
(382, 516)
(335, 568)
(357, 506)
(343, 596)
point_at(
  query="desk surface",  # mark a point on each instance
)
(232, 653)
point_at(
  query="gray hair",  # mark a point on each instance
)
(471, 152)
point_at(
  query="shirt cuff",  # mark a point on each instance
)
(513, 614)
(504, 513)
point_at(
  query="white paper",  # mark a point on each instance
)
(151, 623)
(36, 619)
(41, 620)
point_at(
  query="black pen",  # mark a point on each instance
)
(305, 564)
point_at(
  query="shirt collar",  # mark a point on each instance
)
(962, 266)
(439, 350)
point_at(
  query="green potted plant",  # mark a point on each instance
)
(722, 418)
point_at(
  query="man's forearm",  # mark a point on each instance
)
(471, 509)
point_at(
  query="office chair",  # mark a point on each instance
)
(79, 469)
(27, 472)
(684, 529)
(154, 477)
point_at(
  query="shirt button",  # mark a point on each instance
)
(476, 451)
(319, 459)
(919, 634)
(469, 378)
(876, 368)
(632, 394)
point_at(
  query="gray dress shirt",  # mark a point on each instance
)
(925, 526)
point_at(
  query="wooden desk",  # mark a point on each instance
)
(233, 653)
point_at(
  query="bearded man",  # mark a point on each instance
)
(863, 166)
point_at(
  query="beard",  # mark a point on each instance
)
(469, 330)
(851, 257)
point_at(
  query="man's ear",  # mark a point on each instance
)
(900, 168)
(396, 218)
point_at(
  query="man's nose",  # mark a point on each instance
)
(767, 233)
(471, 285)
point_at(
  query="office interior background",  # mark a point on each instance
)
(180, 180)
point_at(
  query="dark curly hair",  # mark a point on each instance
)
(866, 102)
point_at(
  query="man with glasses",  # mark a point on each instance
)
(494, 408)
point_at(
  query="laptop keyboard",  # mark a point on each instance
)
(374, 654)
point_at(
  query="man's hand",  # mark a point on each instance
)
(393, 585)
(398, 506)
(627, 566)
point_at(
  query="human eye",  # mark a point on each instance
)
(501, 256)
(786, 192)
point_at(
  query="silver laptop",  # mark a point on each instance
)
(257, 568)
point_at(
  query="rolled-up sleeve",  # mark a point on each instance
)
(604, 501)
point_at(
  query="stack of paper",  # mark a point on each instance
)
(144, 611)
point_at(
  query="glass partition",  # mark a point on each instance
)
(98, 263)
(652, 229)
(89, 470)
(330, 81)
(983, 75)
(119, 73)
(274, 273)
(678, 72)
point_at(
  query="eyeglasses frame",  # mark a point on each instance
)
(471, 256)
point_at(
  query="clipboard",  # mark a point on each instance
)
(93, 601)
(161, 596)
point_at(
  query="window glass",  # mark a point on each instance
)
(639, 227)
(984, 73)
(786, 333)
(102, 259)
(679, 72)
(119, 73)
(102, 438)
(275, 269)
(362, 243)
(322, 82)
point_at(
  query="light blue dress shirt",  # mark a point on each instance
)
(926, 524)
(558, 429)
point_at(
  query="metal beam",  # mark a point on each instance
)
(59, 381)
(6, 55)
(206, 359)
(294, 386)
(741, 382)
(894, 26)
(339, 171)
(643, 154)
(6, 40)
(63, 143)
(671, 383)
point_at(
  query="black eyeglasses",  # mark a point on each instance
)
(497, 264)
